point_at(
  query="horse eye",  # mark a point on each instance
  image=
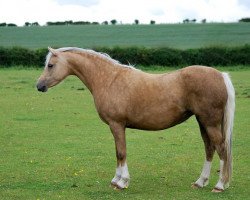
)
(50, 65)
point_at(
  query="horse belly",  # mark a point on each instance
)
(160, 120)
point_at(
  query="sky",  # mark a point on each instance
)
(124, 11)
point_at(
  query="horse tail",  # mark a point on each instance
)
(227, 128)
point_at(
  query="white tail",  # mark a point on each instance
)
(228, 127)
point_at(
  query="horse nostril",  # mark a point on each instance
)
(42, 88)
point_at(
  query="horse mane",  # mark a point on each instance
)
(101, 55)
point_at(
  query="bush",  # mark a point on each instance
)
(247, 19)
(18, 56)
(214, 56)
(210, 56)
(3, 24)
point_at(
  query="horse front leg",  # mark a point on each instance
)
(121, 178)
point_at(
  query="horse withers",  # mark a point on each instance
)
(125, 97)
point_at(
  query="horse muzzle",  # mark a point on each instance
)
(41, 87)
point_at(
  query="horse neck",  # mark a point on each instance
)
(96, 73)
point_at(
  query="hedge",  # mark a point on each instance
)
(210, 56)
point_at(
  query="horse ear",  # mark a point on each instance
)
(53, 51)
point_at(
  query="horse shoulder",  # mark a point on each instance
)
(111, 102)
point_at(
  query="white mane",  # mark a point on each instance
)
(89, 51)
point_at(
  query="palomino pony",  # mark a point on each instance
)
(129, 98)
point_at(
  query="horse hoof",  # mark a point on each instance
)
(115, 186)
(195, 186)
(217, 190)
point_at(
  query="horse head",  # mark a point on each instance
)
(56, 69)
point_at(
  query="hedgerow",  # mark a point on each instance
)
(162, 56)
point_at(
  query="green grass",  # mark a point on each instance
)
(180, 36)
(54, 146)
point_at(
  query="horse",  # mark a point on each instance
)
(126, 97)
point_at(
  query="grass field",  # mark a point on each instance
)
(54, 146)
(180, 36)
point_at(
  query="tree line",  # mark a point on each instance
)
(112, 22)
(70, 22)
(10, 24)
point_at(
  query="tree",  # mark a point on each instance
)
(136, 21)
(113, 21)
(49, 23)
(27, 24)
(105, 23)
(35, 24)
(69, 22)
(152, 22)
(3, 24)
(185, 21)
(11, 25)
(247, 19)
(203, 21)
(193, 20)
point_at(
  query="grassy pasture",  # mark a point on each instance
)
(54, 146)
(182, 36)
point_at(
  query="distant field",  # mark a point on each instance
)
(180, 36)
(54, 146)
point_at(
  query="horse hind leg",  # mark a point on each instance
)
(223, 181)
(203, 180)
(215, 135)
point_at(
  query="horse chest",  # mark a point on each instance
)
(109, 111)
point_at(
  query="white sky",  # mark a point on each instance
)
(125, 11)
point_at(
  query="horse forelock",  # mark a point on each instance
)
(104, 56)
(48, 58)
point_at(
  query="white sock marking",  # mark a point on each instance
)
(220, 184)
(203, 180)
(122, 177)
